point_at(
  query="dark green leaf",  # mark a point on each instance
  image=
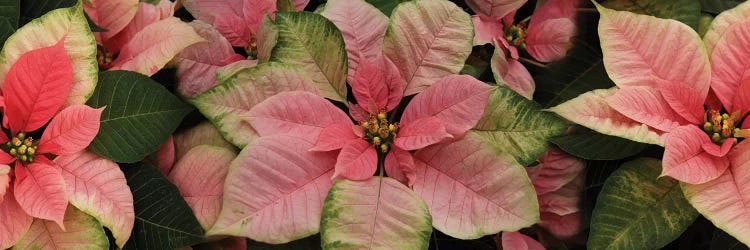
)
(717, 6)
(140, 114)
(31, 9)
(9, 12)
(686, 11)
(285, 5)
(638, 210)
(596, 146)
(309, 243)
(92, 25)
(163, 220)
(385, 6)
(724, 241)
(154, 2)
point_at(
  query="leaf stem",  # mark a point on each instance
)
(532, 62)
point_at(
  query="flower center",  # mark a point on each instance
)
(379, 131)
(103, 57)
(721, 126)
(252, 48)
(22, 147)
(516, 35)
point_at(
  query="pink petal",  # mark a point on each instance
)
(203, 134)
(556, 169)
(519, 241)
(565, 200)
(254, 10)
(165, 156)
(561, 226)
(295, 113)
(4, 180)
(154, 46)
(200, 178)
(299, 5)
(378, 83)
(454, 100)
(421, 133)
(495, 8)
(288, 183)
(96, 186)
(146, 15)
(399, 165)
(36, 87)
(741, 101)
(634, 54)
(40, 190)
(14, 222)
(197, 64)
(727, 43)
(592, 111)
(554, 9)
(357, 161)
(335, 136)
(513, 74)
(716, 150)
(226, 16)
(486, 28)
(5, 158)
(358, 113)
(362, 26)
(550, 40)
(726, 200)
(71, 130)
(684, 100)
(234, 29)
(684, 157)
(111, 15)
(646, 105)
(472, 191)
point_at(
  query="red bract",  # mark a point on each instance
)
(35, 89)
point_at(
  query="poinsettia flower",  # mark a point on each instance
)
(144, 43)
(661, 102)
(547, 36)
(35, 89)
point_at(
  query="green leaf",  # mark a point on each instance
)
(385, 6)
(81, 232)
(723, 241)
(638, 210)
(140, 114)
(596, 146)
(313, 44)
(163, 220)
(686, 11)
(581, 71)
(285, 5)
(9, 13)
(37, 8)
(704, 24)
(517, 126)
(717, 6)
(154, 2)
(380, 213)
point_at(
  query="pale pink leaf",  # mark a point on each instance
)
(335, 136)
(4, 180)
(98, 187)
(254, 10)
(486, 28)
(551, 39)
(295, 113)
(203, 134)
(226, 15)
(357, 161)
(39, 188)
(511, 73)
(379, 213)
(14, 222)
(165, 156)
(81, 232)
(495, 8)
(684, 100)
(725, 201)
(472, 191)
(226, 104)
(565, 200)
(646, 105)
(399, 165)
(200, 176)
(288, 183)
(555, 170)
(684, 157)
(299, 5)
(362, 26)
(197, 64)
(428, 40)
(561, 226)
(379, 83)
(729, 59)
(457, 100)
(146, 15)
(634, 56)
(111, 15)
(421, 133)
(36, 86)
(554, 9)
(718, 150)
(592, 111)
(154, 46)
(519, 241)
(71, 130)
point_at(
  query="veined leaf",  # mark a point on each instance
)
(9, 14)
(638, 210)
(379, 213)
(312, 43)
(163, 220)
(686, 11)
(140, 114)
(596, 146)
(518, 127)
(81, 232)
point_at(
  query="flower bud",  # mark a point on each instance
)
(376, 141)
(716, 137)
(13, 152)
(383, 148)
(22, 149)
